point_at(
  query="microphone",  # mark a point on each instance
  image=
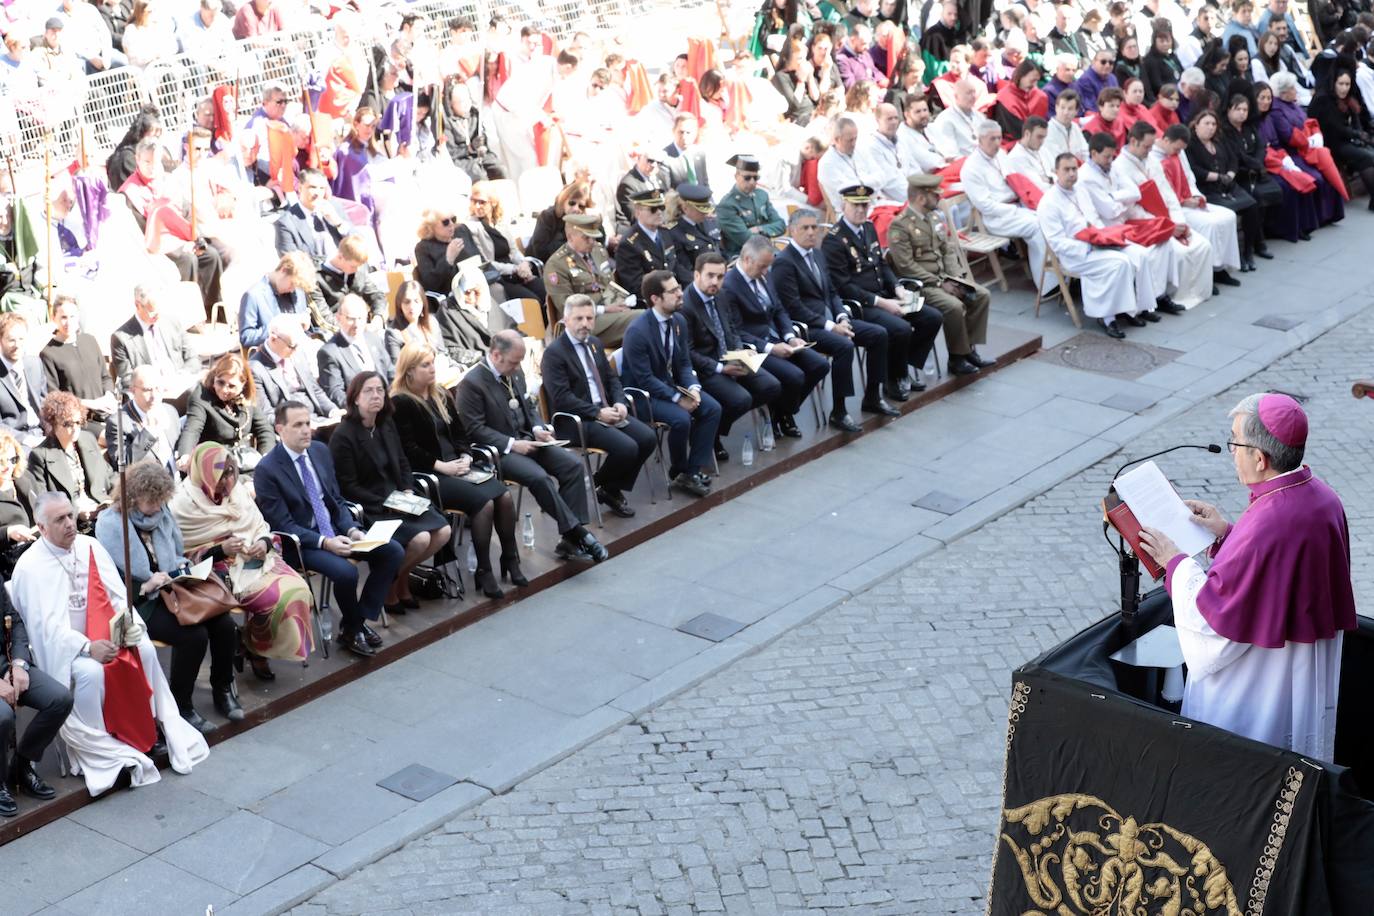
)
(1210, 447)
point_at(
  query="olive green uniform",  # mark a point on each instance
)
(738, 212)
(567, 272)
(921, 249)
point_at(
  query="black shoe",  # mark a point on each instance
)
(1245, 267)
(410, 604)
(371, 636)
(262, 668)
(1225, 279)
(917, 384)
(227, 704)
(693, 484)
(961, 365)
(1216, 290)
(982, 362)
(722, 453)
(1262, 251)
(1307, 236)
(1133, 320)
(1168, 306)
(1151, 317)
(27, 780)
(357, 644)
(594, 548)
(510, 570)
(841, 421)
(879, 406)
(616, 502)
(395, 609)
(198, 722)
(159, 748)
(906, 385)
(1111, 329)
(569, 549)
(486, 583)
(893, 392)
(8, 806)
(786, 428)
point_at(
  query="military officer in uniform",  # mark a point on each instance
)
(582, 265)
(854, 259)
(646, 245)
(922, 249)
(745, 209)
(695, 232)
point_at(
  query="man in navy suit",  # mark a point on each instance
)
(750, 303)
(314, 224)
(655, 357)
(801, 282)
(712, 333)
(299, 494)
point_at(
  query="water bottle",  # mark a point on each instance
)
(746, 454)
(766, 442)
(527, 531)
(472, 557)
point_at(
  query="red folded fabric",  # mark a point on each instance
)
(810, 183)
(949, 177)
(701, 56)
(640, 91)
(1103, 236)
(1319, 157)
(1027, 191)
(127, 711)
(1152, 201)
(882, 218)
(1149, 232)
(1297, 179)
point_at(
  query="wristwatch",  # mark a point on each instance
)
(20, 663)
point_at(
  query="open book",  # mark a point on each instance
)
(1149, 500)
(200, 571)
(409, 503)
(749, 359)
(377, 535)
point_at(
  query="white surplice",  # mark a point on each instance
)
(879, 159)
(1021, 161)
(1216, 224)
(1115, 281)
(1284, 697)
(516, 108)
(835, 171)
(956, 133)
(1061, 139)
(49, 590)
(916, 149)
(985, 183)
(1190, 274)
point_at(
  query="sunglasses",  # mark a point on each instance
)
(447, 221)
(11, 460)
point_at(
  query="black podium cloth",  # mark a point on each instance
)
(1113, 805)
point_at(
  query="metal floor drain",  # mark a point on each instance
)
(1278, 322)
(711, 626)
(941, 502)
(1092, 351)
(417, 782)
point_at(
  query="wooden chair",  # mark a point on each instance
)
(533, 323)
(975, 243)
(1052, 263)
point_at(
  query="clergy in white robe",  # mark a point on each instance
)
(50, 588)
(840, 168)
(1116, 281)
(1261, 628)
(877, 155)
(1063, 135)
(1190, 274)
(519, 104)
(915, 145)
(984, 180)
(1217, 224)
(1024, 157)
(955, 130)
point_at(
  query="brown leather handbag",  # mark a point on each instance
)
(194, 601)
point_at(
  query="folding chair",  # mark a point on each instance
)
(975, 243)
(428, 484)
(914, 286)
(320, 620)
(1052, 263)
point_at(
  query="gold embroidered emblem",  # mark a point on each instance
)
(1078, 855)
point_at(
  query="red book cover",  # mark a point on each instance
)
(1123, 520)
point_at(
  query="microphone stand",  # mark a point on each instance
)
(1128, 564)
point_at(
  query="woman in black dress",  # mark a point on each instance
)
(427, 421)
(1284, 212)
(444, 242)
(371, 464)
(1346, 125)
(548, 235)
(224, 409)
(1215, 166)
(1161, 64)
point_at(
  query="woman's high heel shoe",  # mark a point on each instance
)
(510, 570)
(486, 583)
(262, 668)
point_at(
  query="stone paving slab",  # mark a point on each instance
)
(506, 698)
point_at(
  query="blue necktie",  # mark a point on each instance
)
(715, 321)
(312, 493)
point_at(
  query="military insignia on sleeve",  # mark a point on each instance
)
(553, 279)
(691, 238)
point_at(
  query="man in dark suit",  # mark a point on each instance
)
(647, 245)
(494, 408)
(645, 175)
(298, 493)
(281, 373)
(316, 223)
(351, 350)
(712, 334)
(578, 380)
(857, 268)
(347, 273)
(749, 302)
(152, 339)
(695, 232)
(151, 426)
(22, 385)
(657, 358)
(803, 285)
(21, 684)
(684, 162)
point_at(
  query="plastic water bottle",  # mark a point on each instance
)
(527, 531)
(746, 454)
(766, 442)
(472, 557)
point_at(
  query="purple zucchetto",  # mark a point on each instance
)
(1284, 418)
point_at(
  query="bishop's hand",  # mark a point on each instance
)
(1208, 516)
(1158, 545)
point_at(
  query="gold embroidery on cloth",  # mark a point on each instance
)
(1077, 855)
(1278, 830)
(1020, 695)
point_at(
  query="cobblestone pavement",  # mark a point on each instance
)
(854, 765)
